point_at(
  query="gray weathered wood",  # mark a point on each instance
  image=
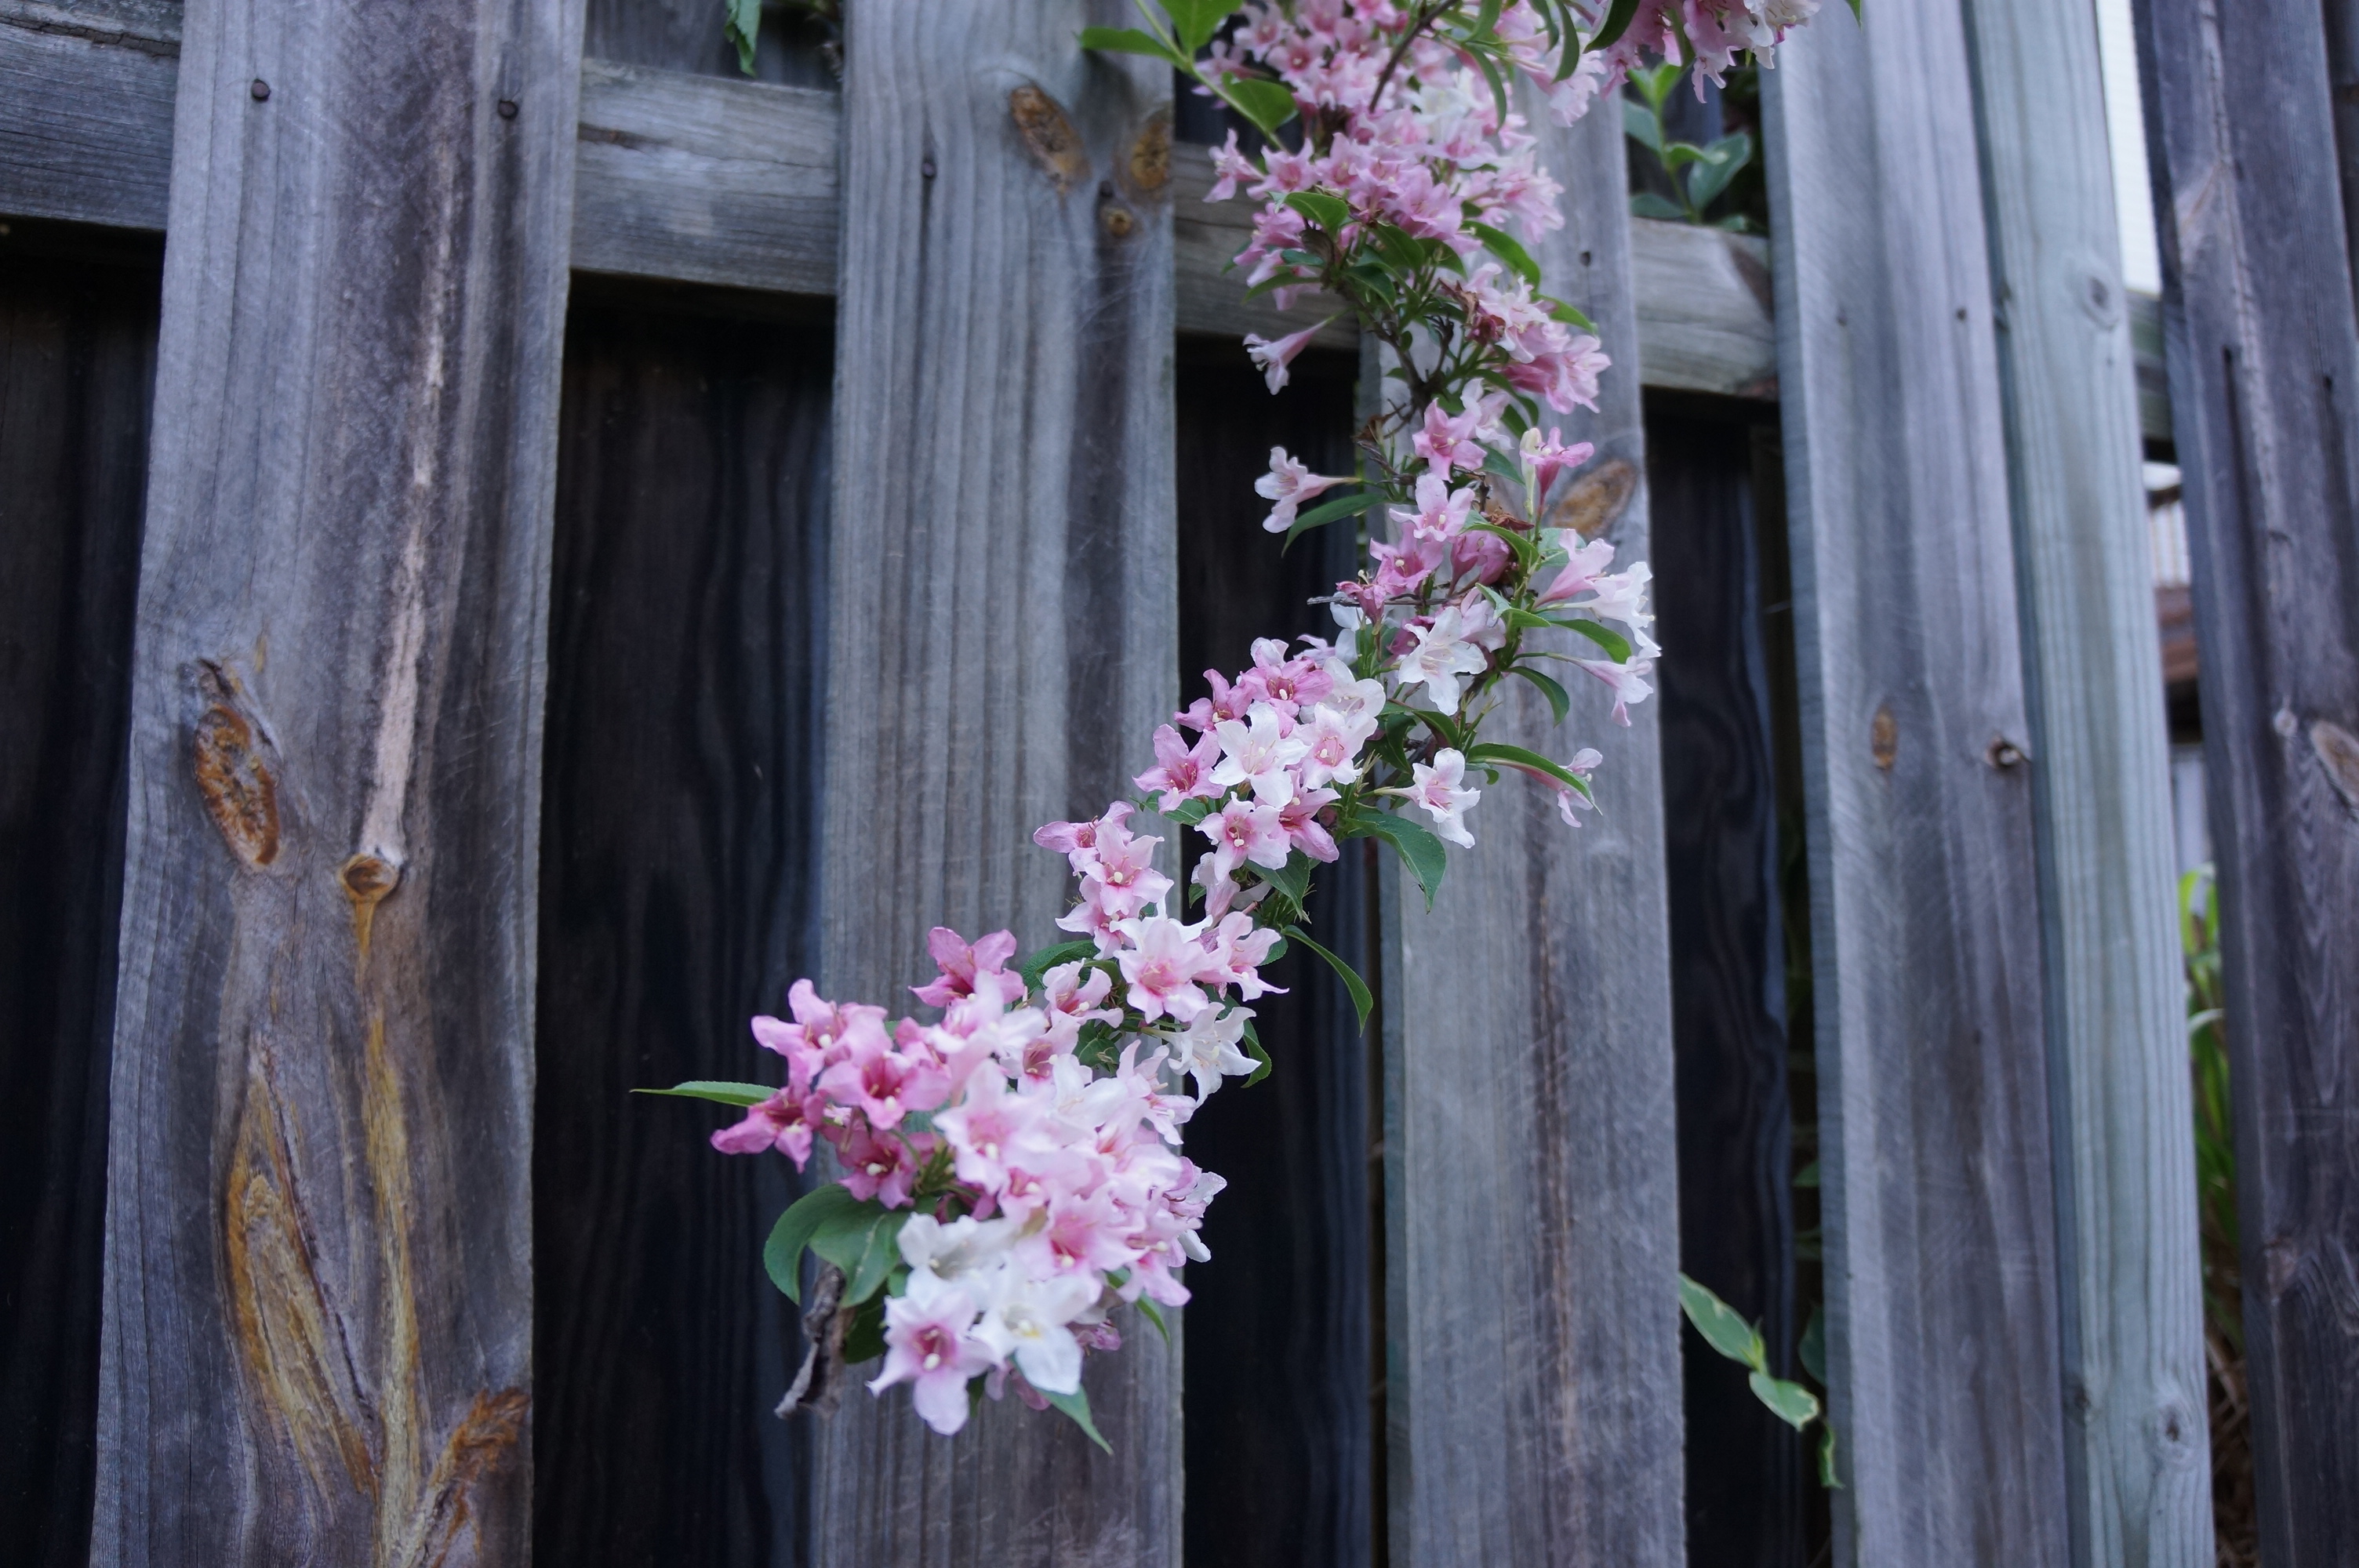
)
(316, 1338)
(86, 111)
(2128, 1267)
(1002, 599)
(1937, 1201)
(1532, 1318)
(707, 180)
(1704, 305)
(2264, 353)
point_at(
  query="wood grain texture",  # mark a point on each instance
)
(685, 643)
(77, 369)
(1530, 1205)
(688, 36)
(2137, 1446)
(86, 111)
(2263, 363)
(1279, 1419)
(1938, 1196)
(319, 1295)
(1001, 593)
(1706, 319)
(700, 180)
(1747, 1498)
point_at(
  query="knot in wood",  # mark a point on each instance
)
(239, 794)
(1116, 219)
(1597, 499)
(1048, 136)
(1147, 169)
(1884, 739)
(366, 878)
(2338, 748)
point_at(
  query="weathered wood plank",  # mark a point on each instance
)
(685, 645)
(2264, 354)
(2136, 1448)
(1748, 1498)
(1532, 1226)
(319, 1295)
(86, 111)
(1002, 598)
(704, 178)
(1279, 1419)
(77, 371)
(1938, 1200)
(705, 181)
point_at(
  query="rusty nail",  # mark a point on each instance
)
(507, 108)
(261, 90)
(2004, 753)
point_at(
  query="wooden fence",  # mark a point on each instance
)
(559, 539)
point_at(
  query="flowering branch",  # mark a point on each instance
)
(1011, 1169)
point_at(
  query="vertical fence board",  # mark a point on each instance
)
(1933, 1106)
(318, 1299)
(1003, 593)
(1532, 1320)
(2116, 1018)
(685, 637)
(2264, 355)
(77, 373)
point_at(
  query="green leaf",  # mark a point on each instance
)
(1259, 1052)
(782, 1254)
(1719, 165)
(1647, 204)
(742, 26)
(863, 1242)
(1196, 20)
(1420, 850)
(1268, 104)
(1130, 41)
(1808, 1176)
(864, 1337)
(1571, 315)
(1827, 1477)
(1077, 1405)
(1189, 812)
(1048, 957)
(1639, 124)
(1154, 1314)
(1560, 703)
(1616, 23)
(1502, 245)
(1812, 1351)
(1617, 646)
(1362, 1001)
(1790, 1402)
(1330, 213)
(719, 1093)
(1516, 756)
(1292, 879)
(1722, 1326)
(1326, 511)
(1856, 18)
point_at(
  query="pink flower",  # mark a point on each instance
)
(1082, 1234)
(1446, 650)
(781, 1122)
(1181, 773)
(1628, 683)
(878, 1167)
(1226, 702)
(989, 1128)
(1289, 482)
(1119, 871)
(1258, 753)
(1584, 563)
(1162, 964)
(960, 965)
(1447, 441)
(821, 1033)
(1299, 817)
(884, 1082)
(1072, 840)
(1440, 513)
(1230, 166)
(1272, 358)
(1239, 949)
(927, 1346)
(1332, 743)
(1543, 461)
(1242, 831)
(1439, 792)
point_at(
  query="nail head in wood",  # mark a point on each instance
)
(261, 90)
(508, 109)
